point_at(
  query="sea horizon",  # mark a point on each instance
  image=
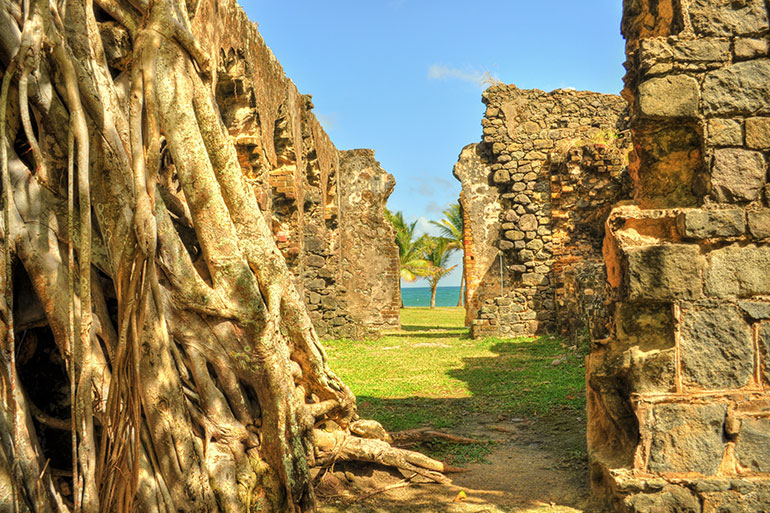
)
(420, 296)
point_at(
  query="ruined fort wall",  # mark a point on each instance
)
(678, 402)
(538, 187)
(294, 170)
(370, 262)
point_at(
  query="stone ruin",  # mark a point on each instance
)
(661, 255)
(326, 207)
(535, 195)
(678, 403)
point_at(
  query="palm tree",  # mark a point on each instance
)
(436, 251)
(409, 248)
(451, 227)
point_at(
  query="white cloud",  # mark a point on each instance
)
(481, 79)
(424, 226)
(432, 185)
(434, 208)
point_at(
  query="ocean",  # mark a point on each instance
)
(420, 296)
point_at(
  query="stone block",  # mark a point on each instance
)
(317, 284)
(533, 279)
(735, 501)
(758, 133)
(702, 50)
(648, 326)
(738, 271)
(315, 260)
(686, 438)
(748, 48)
(314, 244)
(651, 371)
(671, 161)
(671, 499)
(753, 447)
(501, 176)
(759, 223)
(725, 132)
(715, 484)
(756, 310)
(717, 348)
(670, 96)
(742, 88)
(665, 272)
(525, 255)
(514, 235)
(727, 18)
(329, 302)
(705, 224)
(527, 223)
(764, 348)
(737, 175)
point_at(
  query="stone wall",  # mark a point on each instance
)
(370, 260)
(295, 171)
(536, 192)
(678, 403)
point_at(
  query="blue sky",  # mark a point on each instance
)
(404, 77)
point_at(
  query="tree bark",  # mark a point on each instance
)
(194, 378)
(460, 300)
(433, 287)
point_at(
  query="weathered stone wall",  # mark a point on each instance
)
(482, 209)
(370, 263)
(295, 172)
(536, 192)
(678, 403)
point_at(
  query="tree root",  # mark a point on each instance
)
(332, 446)
(415, 436)
(206, 387)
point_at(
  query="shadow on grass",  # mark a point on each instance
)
(423, 327)
(511, 384)
(519, 381)
(431, 334)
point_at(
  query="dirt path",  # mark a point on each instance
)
(533, 468)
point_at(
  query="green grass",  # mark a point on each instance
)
(432, 374)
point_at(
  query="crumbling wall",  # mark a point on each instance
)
(678, 403)
(549, 166)
(481, 208)
(370, 263)
(291, 164)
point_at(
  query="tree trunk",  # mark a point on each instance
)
(185, 371)
(433, 287)
(460, 300)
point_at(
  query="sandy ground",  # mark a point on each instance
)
(534, 468)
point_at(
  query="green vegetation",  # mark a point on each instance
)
(431, 374)
(409, 247)
(427, 257)
(436, 251)
(452, 228)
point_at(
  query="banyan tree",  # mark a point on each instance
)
(156, 355)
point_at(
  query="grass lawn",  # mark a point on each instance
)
(432, 374)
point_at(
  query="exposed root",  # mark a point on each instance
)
(9, 342)
(415, 436)
(190, 354)
(341, 446)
